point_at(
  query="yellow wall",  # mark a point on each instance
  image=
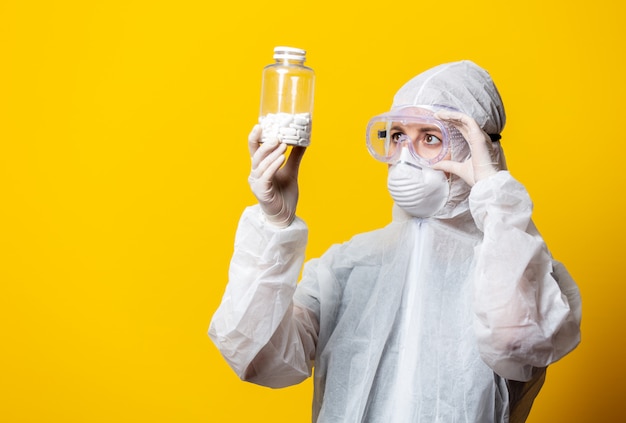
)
(123, 166)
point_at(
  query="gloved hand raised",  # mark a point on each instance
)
(483, 162)
(275, 187)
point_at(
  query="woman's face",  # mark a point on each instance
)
(425, 139)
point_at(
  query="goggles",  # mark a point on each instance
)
(428, 140)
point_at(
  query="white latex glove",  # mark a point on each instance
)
(275, 187)
(482, 162)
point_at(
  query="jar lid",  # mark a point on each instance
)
(282, 52)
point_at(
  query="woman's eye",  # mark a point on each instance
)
(398, 137)
(432, 140)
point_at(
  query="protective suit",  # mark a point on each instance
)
(448, 318)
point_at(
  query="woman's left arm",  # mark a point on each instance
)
(527, 306)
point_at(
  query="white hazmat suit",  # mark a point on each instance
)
(449, 318)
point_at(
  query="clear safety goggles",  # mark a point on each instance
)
(427, 139)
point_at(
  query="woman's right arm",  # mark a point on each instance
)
(262, 336)
(260, 333)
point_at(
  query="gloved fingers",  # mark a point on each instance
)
(254, 139)
(473, 134)
(266, 155)
(262, 152)
(266, 161)
(293, 162)
(483, 162)
(261, 181)
(462, 170)
(270, 165)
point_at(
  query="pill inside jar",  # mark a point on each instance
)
(293, 129)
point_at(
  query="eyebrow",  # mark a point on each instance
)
(400, 127)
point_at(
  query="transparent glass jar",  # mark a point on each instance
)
(287, 98)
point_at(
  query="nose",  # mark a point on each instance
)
(405, 153)
(402, 142)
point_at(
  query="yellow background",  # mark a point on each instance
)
(123, 166)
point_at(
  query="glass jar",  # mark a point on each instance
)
(287, 98)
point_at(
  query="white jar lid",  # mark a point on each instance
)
(282, 52)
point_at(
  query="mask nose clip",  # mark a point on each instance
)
(403, 140)
(406, 155)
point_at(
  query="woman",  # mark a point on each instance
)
(450, 313)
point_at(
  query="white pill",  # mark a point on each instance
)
(288, 131)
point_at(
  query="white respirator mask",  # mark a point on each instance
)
(418, 190)
(410, 140)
